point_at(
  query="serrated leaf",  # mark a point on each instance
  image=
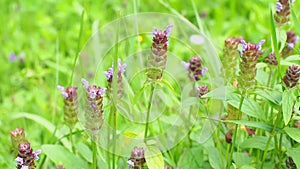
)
(60, 155)
(154, 158)
(258, 142)
(287, 106)
(295, 154)
(294, 133)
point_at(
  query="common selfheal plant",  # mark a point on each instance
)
(26, 156)
(93, 110)
(70, 105)
(282, 15)
(249, 55)
(109, 77)
(158, 56)
(17, 136)
(194, 67)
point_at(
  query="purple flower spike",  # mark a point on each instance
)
(63, 91)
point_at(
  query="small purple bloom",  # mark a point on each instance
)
(24, 167)
(109, 74)
(12, 57)
(186, 65)
(121, 69)
(86, 84)
(36, 153)
(63, 91)
(19, 160)
(258, 46)
(244, 45)
(279, 7)
(130, 163)
(101, 91)
(205, 69)
(168, 30)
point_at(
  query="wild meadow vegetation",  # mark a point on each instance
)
(150, 84)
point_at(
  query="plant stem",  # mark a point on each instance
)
(94, 147)
(270, 137)
(114, 135)
(148, 111)
(71, 140)
(236, 129)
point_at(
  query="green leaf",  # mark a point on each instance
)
(295, 154)
(294, 133)
(60, 155)
(214, 157)
(273, 96)
(258, 142)
(154, 158)
(85, 151)
(260, 125)
(295, 19)
(241, 159)
(250, 107)
(194, 154)
(287, 106)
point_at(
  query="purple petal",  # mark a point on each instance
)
(279, 7)
(36, 153)
(109, 74)
(259, 44)
(63, 91)
(24, 167)
(130, 163)
(186, 65)
(205, 69)
(86, 84)
(244, 45)
(93, 93)
(155, 31)
(19, 160)
(168, 29)
(101, 92)
(290, 45)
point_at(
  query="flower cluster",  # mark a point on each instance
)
(230, 55)
(291, 41)
(292, 76)
(282, 15)
(249, 55)
(26, 156)
(70, 105)
(202, 90)
(93, 112)
(137, 158)
(194, 67)
(109, 77)
(271, 59)
(158, 57)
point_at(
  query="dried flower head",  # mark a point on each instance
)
(228, 136)
(282, 15)
(291, 41)
(158, 57)
(194, 67)
(70, 105)
(109, 77)
(26, 156)
(137, 158)
(290, 163)
(230, 56)
(271, 59)
(93, 111)
(249, 55)
(292, 76)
